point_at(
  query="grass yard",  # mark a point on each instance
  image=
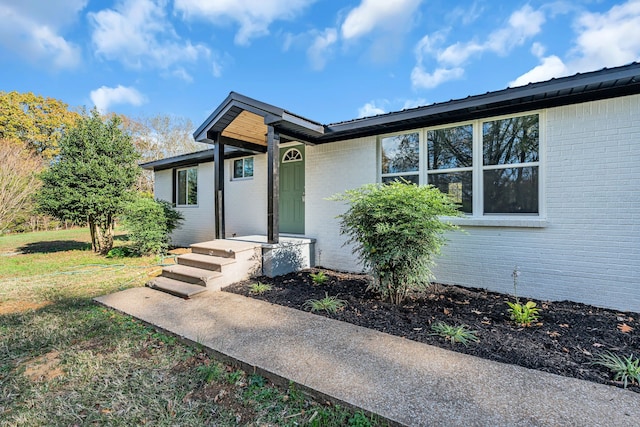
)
(67, 361)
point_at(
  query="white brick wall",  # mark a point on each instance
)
(198, 224)
(330, 169)
(589, 250)
(245, 201)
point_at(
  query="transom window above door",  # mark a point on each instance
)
(292, 155)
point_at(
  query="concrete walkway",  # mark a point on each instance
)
(404, 381)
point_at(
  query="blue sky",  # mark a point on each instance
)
(326, 60)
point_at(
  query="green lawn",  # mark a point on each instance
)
(67, 361)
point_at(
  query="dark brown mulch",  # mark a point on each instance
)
(566, 340)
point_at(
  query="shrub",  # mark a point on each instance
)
(396, 231)
(149, 223)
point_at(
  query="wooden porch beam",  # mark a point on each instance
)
(243, 144)
(273, 185)
(218, 184)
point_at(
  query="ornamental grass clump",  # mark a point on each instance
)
(396, 231)
(454, 334)
(624, 369)
(330, 304)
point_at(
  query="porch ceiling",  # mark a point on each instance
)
(248, 127)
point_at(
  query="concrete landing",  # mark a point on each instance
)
(403, 381)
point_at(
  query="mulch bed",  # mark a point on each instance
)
(566, 340)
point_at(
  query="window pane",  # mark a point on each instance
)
(513, 140)
(411, 178)
(237, 168)
(192, 191)
(248, 167)
(450, 148)
(512, 190)
(182, 187)
(456, 184)
(401, 153)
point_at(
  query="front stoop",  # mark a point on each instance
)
(210, 266)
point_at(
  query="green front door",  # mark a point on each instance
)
(292, 190)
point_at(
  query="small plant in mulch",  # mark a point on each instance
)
(259, 288)
(522, 314)
(319, 278)
(454, 334)
(625, 369)
(330, 304)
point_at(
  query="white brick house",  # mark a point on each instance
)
(547, 174)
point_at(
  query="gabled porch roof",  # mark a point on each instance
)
(243, 122)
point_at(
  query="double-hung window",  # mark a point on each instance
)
(489, 167)
(187, 187)
(243, 168)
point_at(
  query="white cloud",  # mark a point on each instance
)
(320, 49)
(602, 40)
(253, 16)
(369, 109)
(423, 79)
(550, 67)
(523, 24)
(372, 14)
(609, 39)
(468, 15)
(33, 30)
(182, 74)
(105, 96)
(138, 34)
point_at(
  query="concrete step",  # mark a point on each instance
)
(223, 248)
(193, 275)
(206, 262)
(175, 287)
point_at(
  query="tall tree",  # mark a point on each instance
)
(92, 177)
(19, 181)
(160, 136)
(35, 120)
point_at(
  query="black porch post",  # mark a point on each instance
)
(218, 179)
(273, 185)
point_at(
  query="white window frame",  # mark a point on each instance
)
(177, 184)
(233, 168)
(477, 217)
(417, 173)
(471, 169)
(478, 178)
(291, 150)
